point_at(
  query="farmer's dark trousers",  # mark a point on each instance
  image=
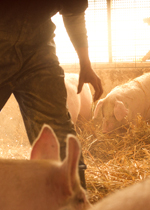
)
(37, 82)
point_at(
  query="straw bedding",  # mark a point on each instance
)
(114, 160)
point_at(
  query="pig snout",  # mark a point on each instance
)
(107, 125)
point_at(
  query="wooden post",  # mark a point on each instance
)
(109, 3)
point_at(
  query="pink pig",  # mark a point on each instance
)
(135, 197)
(78, 104)
(44, 182)
(124, 102)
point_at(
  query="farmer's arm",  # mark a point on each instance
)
(74, 21)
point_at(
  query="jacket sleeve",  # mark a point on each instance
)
(72, 7)
(75, 26)
(73, 12)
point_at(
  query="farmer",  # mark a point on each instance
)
(29, 67)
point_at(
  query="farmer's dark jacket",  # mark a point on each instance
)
(32, 19)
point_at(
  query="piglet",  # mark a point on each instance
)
(43, 182)
(135, 197)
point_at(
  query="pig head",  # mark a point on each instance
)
(124, 103)
(113, 113)
(44, 182)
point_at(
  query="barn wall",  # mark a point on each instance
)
(114, 74)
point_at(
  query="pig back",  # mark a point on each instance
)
(131, 198)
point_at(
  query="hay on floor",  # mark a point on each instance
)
(114, 160)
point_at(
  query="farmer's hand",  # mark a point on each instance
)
(87, 75)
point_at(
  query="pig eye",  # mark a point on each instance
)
(80, 200)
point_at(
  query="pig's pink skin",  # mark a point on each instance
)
(134, 197)
(78, 104)
(124, 103)
(44, 182)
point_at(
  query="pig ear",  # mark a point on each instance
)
(73, 155)
(98, 106)
(120, 110)
(46, 145)
(70, 164)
